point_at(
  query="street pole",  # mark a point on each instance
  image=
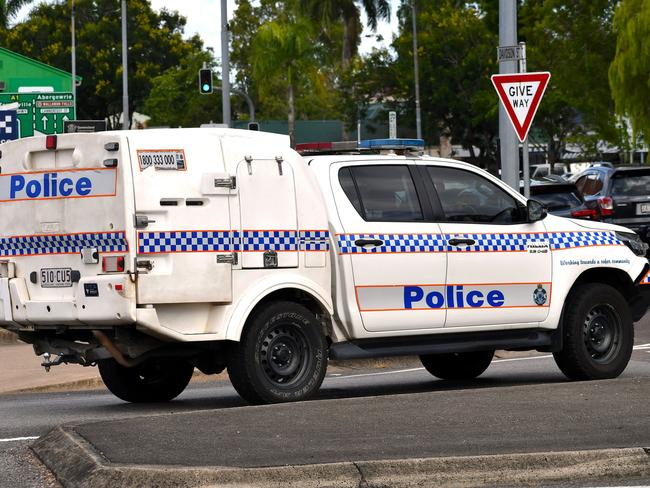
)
(418, 115)
(507, 136)
(74, 63)
(526, 162)
(125, 73)
(225, 64)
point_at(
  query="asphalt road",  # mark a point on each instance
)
(518, 405)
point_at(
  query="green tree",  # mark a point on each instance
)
(285, 48)
(575, 41)
(175, 100)
(9, 9)
(629, 73)
(456, 53)
(331, 14)
(155, 45)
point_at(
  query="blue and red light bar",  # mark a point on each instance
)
(365, 145)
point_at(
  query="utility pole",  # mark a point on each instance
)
(418, 115)
(225, 64)
(125, 72)
(74, 62)
(507, 136)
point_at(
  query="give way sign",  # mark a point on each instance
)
(520, 95)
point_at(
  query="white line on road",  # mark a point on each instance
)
(397, 371)
(16, 439)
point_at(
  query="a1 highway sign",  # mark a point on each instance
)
(41, 113)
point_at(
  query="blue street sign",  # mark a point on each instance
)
(8, 126)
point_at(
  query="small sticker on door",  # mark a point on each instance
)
(537, 247)
(173, 159)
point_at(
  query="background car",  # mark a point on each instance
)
(561, 198)
(620, 195)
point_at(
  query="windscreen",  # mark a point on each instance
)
(631, 183)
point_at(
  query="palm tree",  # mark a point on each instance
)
(9, 9)
(348, 13)
(286, 49)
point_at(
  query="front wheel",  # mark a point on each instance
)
(598, 333)
(457, 365)
(282, 355)
(155, 380)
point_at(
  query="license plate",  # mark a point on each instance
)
(643, 208)
(56, 277)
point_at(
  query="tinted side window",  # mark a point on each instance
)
(386, 193)
(468, 197)
(345, 179)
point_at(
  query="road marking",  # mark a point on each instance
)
(410, 370)
(16, 439)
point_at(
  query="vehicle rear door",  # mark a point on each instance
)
(182, 220)
(396, 252)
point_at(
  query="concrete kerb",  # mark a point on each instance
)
(76, 463)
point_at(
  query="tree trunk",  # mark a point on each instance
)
(347, 51)
(292, 116)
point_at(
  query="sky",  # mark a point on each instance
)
(204, 18)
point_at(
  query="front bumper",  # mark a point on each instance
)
(640, 303)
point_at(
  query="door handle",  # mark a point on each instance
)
(369, 242)
(142, 221)
(458, 242)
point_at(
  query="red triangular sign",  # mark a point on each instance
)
(520, 95)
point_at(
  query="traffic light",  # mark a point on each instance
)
(253, 126)
(205, 81)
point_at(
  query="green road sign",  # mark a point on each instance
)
(41, 113)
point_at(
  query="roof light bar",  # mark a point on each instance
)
(373, 144)
(390, 143)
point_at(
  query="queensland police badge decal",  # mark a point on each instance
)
(539, 295)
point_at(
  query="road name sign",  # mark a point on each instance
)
(509, 53)
(41, 113)
(520, 95)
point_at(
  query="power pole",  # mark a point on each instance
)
(225, 64)
(125, 72)
(418, 115)
(507, 136)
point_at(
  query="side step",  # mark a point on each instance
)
(543, 339)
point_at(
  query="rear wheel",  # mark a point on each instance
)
(155, 380)
(282, 355)
(598, 333)
(458, 365)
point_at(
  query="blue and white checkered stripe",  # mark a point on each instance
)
(62, 244)
(265, 240)
(412, 243)
(314, 240)
(393, 243)
(183, 241)
(568, 240)
(495, 242)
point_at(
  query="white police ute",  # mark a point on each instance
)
(151, 253)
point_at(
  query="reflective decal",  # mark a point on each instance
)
(457, 296)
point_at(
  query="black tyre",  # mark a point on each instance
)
(156, 380)
(598, 333)
(282, 355)
(457, 366)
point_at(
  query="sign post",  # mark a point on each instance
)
(520, 95)
(392, 125)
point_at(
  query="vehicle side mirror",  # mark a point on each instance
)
(535, 211)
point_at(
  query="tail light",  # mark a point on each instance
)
(50, 142)
(113, 264)
(586, 213)
(606, 205)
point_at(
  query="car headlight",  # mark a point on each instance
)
(634, 242)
